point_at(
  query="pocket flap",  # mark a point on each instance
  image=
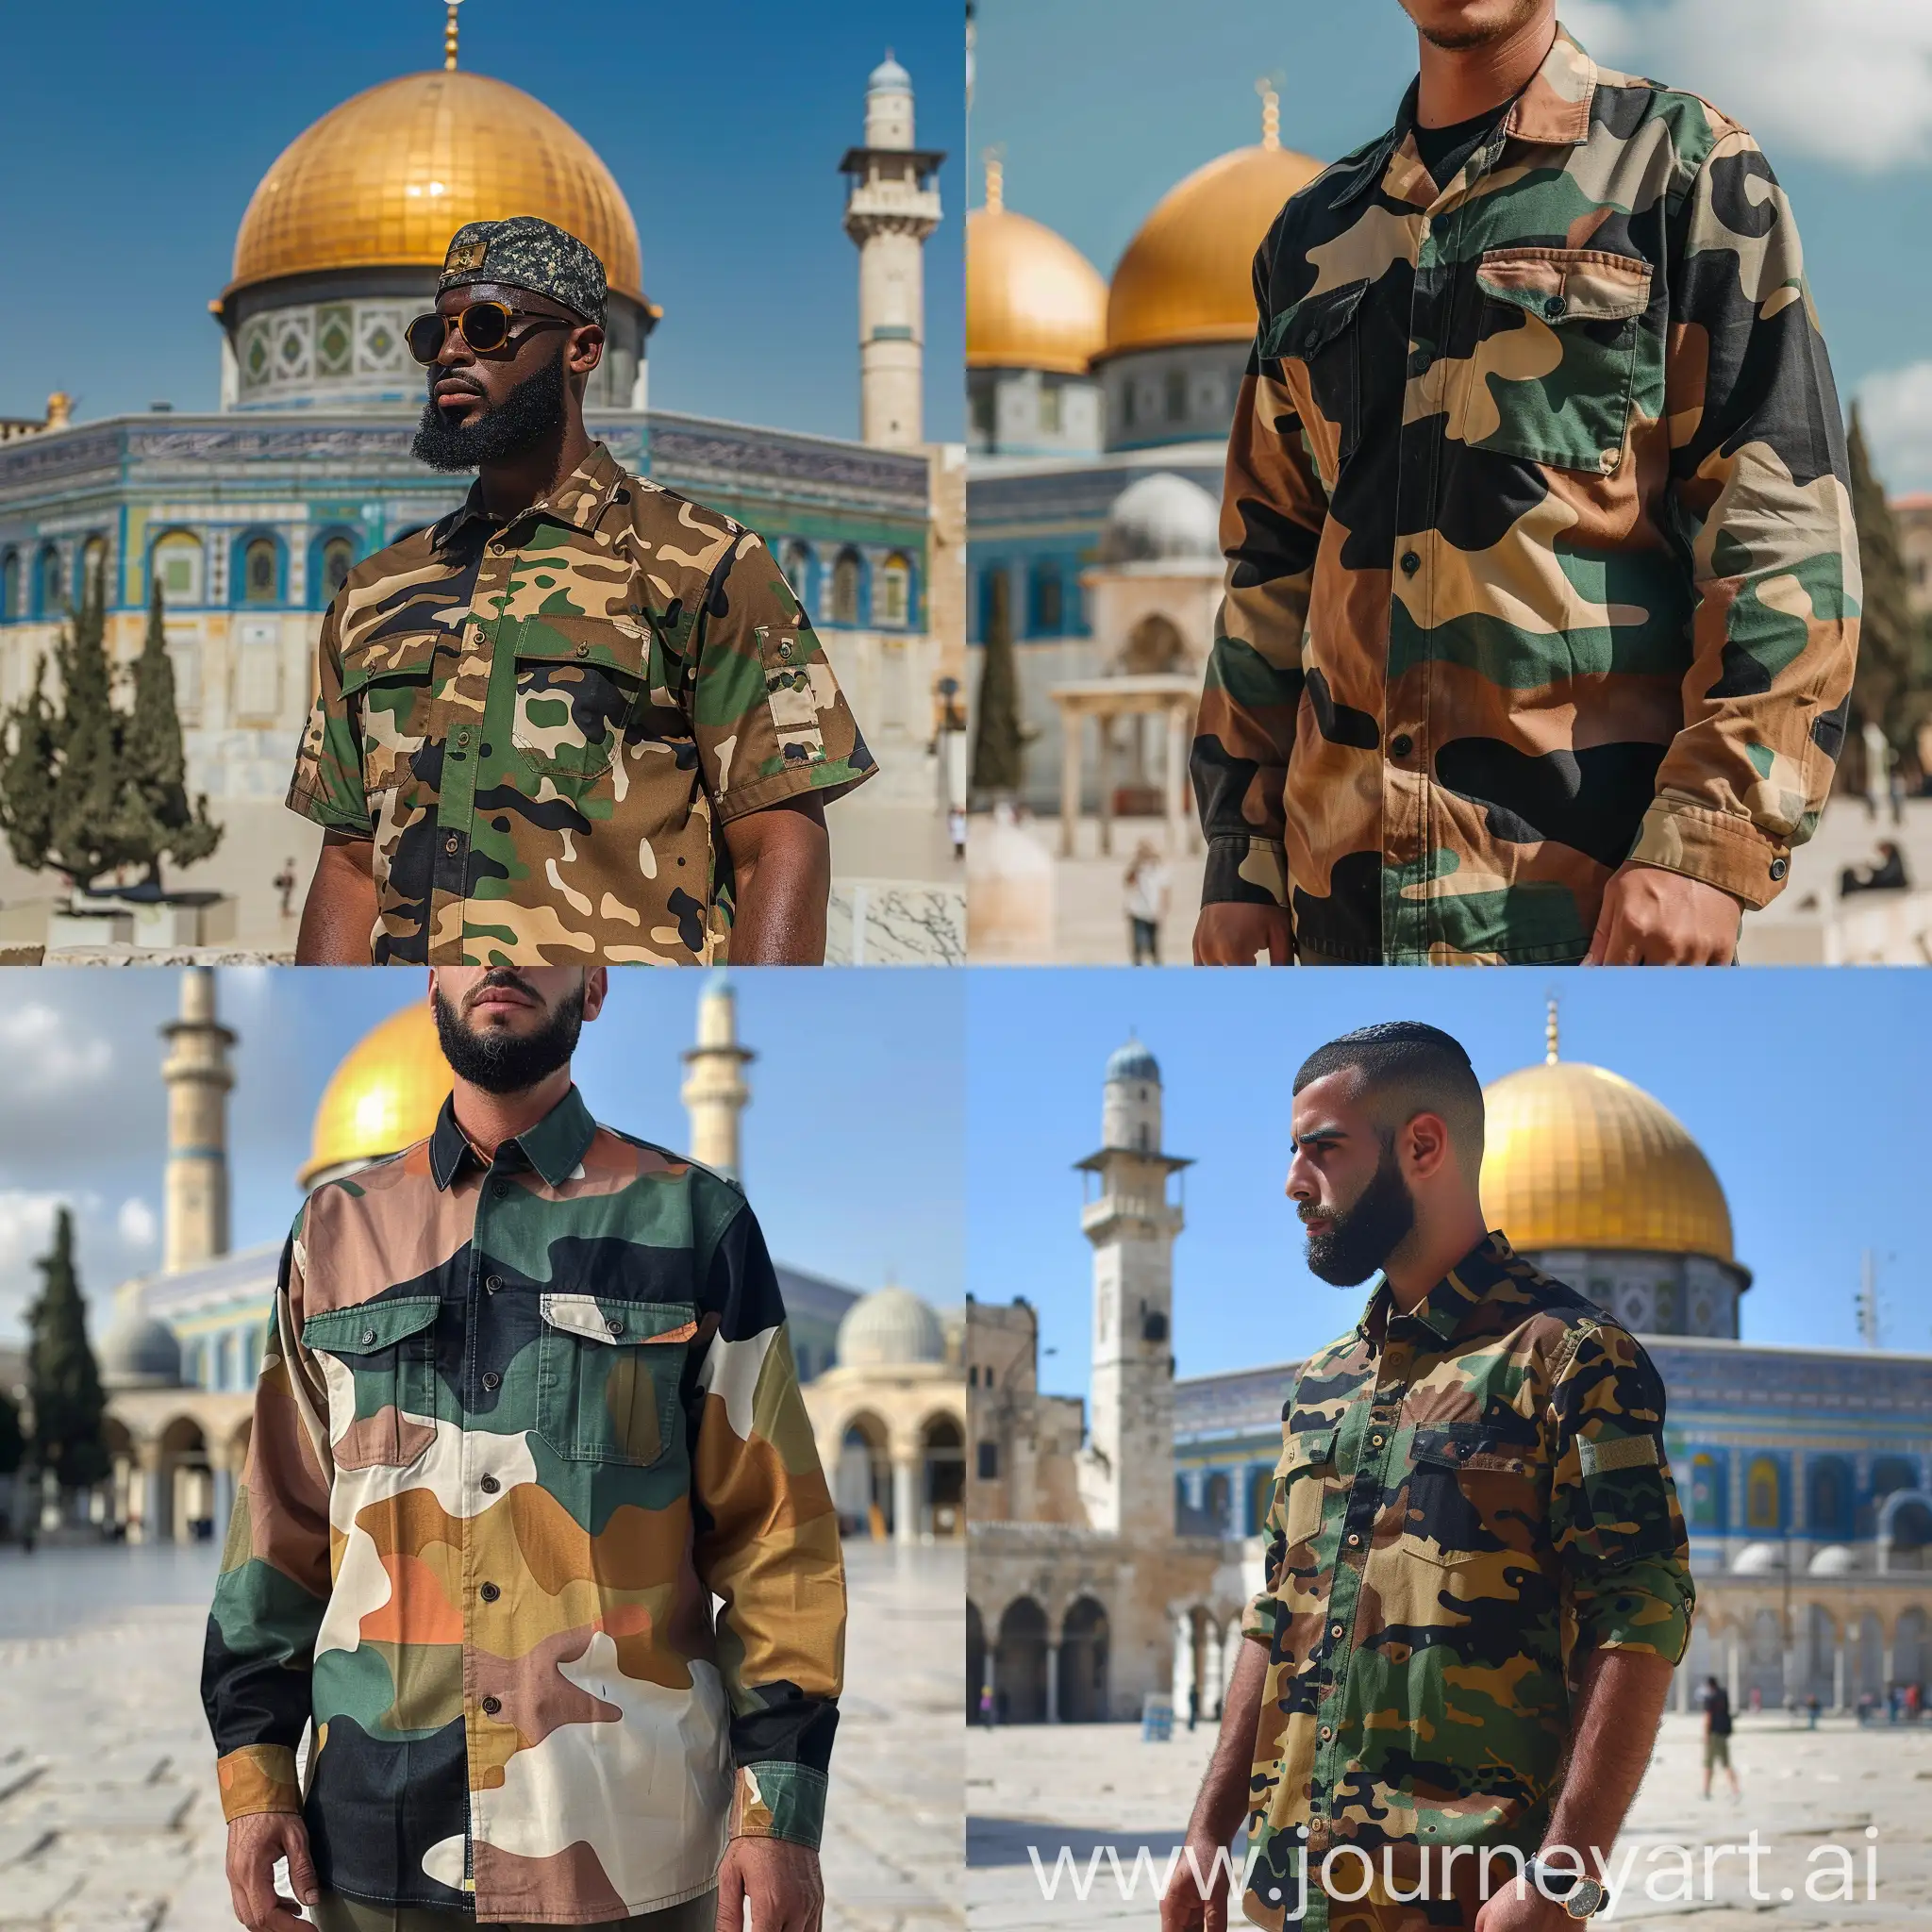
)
(373, 660)
(1450, 1447)
(371, 1327)
(1313, 323)
(1307, 1449)
(1566, 284)
(619, 643)
(619, 1323)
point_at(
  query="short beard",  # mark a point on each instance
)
(1364, 1235)
(505, 1062)
(1461, 40)
(531, 414)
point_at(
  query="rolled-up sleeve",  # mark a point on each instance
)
(1614, 1517)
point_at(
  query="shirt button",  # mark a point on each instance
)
(493, 1283)
(367, 1338)
(1327, 1732)
(489, 1485)
(450, 844)
(488, 1592)
(491, 1706)
(500, 1190)
(491, 1379)
(1375, 1442)
(1353, 1540)
(1555, 306)
(1780, 867)
(1411, 563)
(1335, 1629)
(1401, 745)
(583, 650)
(615, 1325)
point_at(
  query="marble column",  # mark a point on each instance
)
(1734, 1666)
(1841, 1674)
(225, 1500)
(1104, 722)
(1053, 1682)
(1179, 816)
(1072, 728)
(1211, 1672)
(905, 1501)
(1183, 1664)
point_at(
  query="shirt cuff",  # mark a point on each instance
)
(1261, 1618)
(257, 1778)
(1722, 848)
(1244, 869)
(1646, 1607)
(830, 779)
(779, 1798)
(313, 807)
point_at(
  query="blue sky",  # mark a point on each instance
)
(131, 137)
(853, 1142)
(1101, 106)
(1805, 1090)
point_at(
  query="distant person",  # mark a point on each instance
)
(1888, 876)
(581, 717)
(1536, 644)
(1144, 891)
(284, 883)
(1877, 766)
(955, 830)
(1717, 1734)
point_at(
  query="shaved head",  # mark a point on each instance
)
(1401, 1068)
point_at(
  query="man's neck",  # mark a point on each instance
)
(491, 1119)
(1427, 1256)
(1459, 83)
(517, 483)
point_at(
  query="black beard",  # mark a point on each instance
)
(532, 413)
(502, 1062)
(1364, 1235)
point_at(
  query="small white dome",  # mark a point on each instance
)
(1834, 1560)
(1159, 519)
(1759, 1559)
(138, 1352)
(887, 1328)
(889, 77)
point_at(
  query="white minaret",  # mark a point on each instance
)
(195, 1219)
(1126, 1470)
(892, 206)
(715, 1093)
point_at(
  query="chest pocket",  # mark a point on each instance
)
(607, 1376)
(1307, 1469)
(1320, 333)
(582, 685)
(1472, 1494)
(1560, 335)
(390, 683)
(379, 1363)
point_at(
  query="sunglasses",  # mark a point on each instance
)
(484, 326)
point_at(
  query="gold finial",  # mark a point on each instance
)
(1271, 111)
(1550, 1034)
(449, 36)
(995, 181)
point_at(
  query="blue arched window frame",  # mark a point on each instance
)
(859, 615)
(46, 572)
(10, 585)
(799, 563)
(909, 620)
(239, 598)
(318, 551)
(1045, 576)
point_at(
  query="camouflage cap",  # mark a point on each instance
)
(527, 252)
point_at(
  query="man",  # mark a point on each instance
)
(1717, 1734)
(527, 1407)
(582, 718)
(1543, 590)
(1477, 1575)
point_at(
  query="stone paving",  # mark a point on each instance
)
(1104, 1791)
(108, 1821)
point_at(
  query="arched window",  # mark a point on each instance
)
(176, 565)
(93, 565)
(1260, 1495)
(1176, 395)
(893, 604)
(1831, 1496)
(338, 560)
(1761, 1501)
(1048, 600)
(261, 570)
(10, 585)
(1049, 410)
(847, 575)
(50, 598)
(1706, 1493)
(795, 561)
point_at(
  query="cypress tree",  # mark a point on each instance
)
(30, 750)
(155, 812)
(1886, 689)
(63, 1378)
(999, 736)
(89, 834)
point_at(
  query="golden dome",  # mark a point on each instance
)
(385, 1096)
(388, 178)
(1576, 1157)
(1187, 276)
(1033, 301)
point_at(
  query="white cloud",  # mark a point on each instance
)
(135, 1223)
(45, 1052)
(1895, 409)
(1840, 80)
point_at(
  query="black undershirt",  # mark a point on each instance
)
(1444, 150)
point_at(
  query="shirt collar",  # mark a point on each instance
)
(1553, 110)
(1441, 1311)
(556, 1146)
(578, 501)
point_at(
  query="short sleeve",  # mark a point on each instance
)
(326, 787)
(1262, 1618)
(769, 718)
(1614, 1517)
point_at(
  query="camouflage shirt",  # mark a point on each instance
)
(517, 1426)
(1539, 532)
(544, 726)
(1469, 1497)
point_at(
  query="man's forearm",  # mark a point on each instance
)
(782, 859)
(1612, 1730)
(339, 912)
(1223, 1799)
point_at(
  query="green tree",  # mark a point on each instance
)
(1000, 736)
(63, 1378)
(12, 1442)
(1890, 688)
(155, 807)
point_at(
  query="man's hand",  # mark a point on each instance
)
(254, 1845)
(1519, 1906)
(1233, 932)
(779, 1880)
(1184, 1908)
(781, 861)
(1651, 917)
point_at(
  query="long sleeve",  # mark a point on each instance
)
(274, 1584)
(1761, 487)
(1272, 510)
(767, 1547)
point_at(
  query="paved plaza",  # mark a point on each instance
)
(109, 1819)
(1101, 1788)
